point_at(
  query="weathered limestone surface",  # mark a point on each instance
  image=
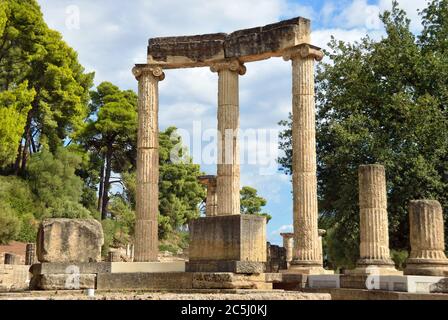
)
(69, 240)
(246, 45)
(210, 182)
(13, 277)
(427, 239)
(306, 252)
(276, 258)
(147, 207)
(63, 282)
(181, 281)
(228, 180)
(66, 268)
(374, 228)
(234, 243)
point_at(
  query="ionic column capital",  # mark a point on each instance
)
(155, 71)
(232, 65)
(303, 51)
(287, 235)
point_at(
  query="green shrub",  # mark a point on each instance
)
(9, 224)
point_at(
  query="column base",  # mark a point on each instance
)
(426, 267)
(375, 267)
(306, 268)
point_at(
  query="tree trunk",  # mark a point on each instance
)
(107, 182)
(16, 168)
(26, 147)
(101, 189)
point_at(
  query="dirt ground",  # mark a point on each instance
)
(134, 295)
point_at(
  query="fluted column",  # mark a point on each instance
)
(288, 244)
(427, 239)
(147, 197)
(228, 180)
(211, 202)
(374, 229)
(304, 164)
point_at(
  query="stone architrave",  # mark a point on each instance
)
(147, 197)
(306, 258)
(69, 240)
(374, 228)
(228, 180)
(211, 208)
(427, 256)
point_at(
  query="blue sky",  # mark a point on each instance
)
(111, 35)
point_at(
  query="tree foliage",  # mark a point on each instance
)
(32, 53)
(111, 136)
(381, 102)
(252, 203)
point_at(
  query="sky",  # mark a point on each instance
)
(111, 36)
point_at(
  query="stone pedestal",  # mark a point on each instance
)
(228, 181)
(304, 164)
(147, 208)
(374, 229)
(211, 208)
(234, 243)
(427, 240)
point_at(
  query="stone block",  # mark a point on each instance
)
(69, 240)
(324, 281)
(66, 268)
(246, 45)
(63, 282)
(229, 281)
(147, 267)
(242, 267)
(144, 281)
(14, 277)
(235, 243)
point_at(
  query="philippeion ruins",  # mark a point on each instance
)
(228, 251)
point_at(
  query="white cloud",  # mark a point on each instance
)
(282, 229)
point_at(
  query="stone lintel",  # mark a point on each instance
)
(246, 45)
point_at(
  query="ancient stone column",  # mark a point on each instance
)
(427, 239)
(30, 254)
(11, 259)
(288, 244)
(228, 180)
(304, 165)
(146, 236)
(374, 228)
(114, 256)
(211, 208)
